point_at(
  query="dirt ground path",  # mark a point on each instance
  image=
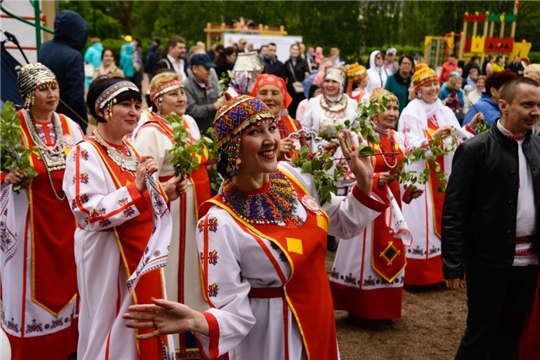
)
(431, 326)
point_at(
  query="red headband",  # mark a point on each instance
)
(266, 79)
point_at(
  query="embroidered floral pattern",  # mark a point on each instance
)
(98, 212)
(213, 290)
(350, 279)
(13, 326)
(213, 257)
(84, 177)
(84, 155)
(123, 201)
(416, 251)
(212, 224)
(370, 281)
(129, 212)
(34, 327)
(200, 225)
(334, 274)
(104, 223)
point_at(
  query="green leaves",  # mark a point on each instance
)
(13, 154)
(436, 148)
(482, 126)
(186, 154)
(320, 165)
(213, 156)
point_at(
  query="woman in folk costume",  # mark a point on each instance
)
(357, 81)
(368, 271)
(155, 137)
(124, 226)
(331, 108)
(262, 247)
(272, 90)
(39, 284)
(424, 119)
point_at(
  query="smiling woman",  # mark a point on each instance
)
(424, 120)
(261, 240)
(155, 136)
(272, 91)
(41, 273)
(106, 184)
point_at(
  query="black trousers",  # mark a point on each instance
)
(498, 300)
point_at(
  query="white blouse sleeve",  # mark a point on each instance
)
(230, 317)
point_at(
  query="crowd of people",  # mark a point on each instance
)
(151, 264)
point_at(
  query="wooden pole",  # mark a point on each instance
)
(486, 25)
(513, 29)
(462, 40)
(49, 9)
(502, 26)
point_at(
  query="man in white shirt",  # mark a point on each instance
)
(175, 59)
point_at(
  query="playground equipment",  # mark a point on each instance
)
(437, 48)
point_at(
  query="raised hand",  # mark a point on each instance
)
(360, 165)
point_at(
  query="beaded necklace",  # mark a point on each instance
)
(276, 206)
(126, 163)
(391, 162)
(333, 107)
(53, 157)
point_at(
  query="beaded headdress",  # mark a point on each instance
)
(164, 88)
(237, 114)
(335, 74)
(266, 79)
(108, 96)
(356, 72)
(380, 93)
(31, 77)
(423, 75)
(231, 118)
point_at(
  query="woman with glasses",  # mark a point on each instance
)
(377, 73)
(422, 121)
(399, 82)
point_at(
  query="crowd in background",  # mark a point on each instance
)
(219, 88)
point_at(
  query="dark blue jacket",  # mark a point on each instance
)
(62, 55)
(275, 67)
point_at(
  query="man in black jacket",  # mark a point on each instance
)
(62, 55)
(271, 63)
(491, 224)
(516, 66)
